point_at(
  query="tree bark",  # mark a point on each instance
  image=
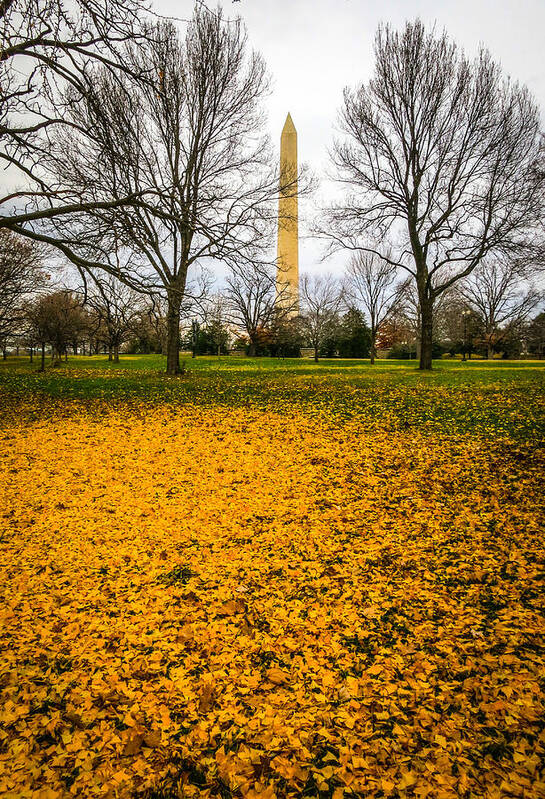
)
(251, 349)
(173, 335)
(489, 351)
(315, 354)
(373, 348)
(116, 354)
(426, 333)
(31, 354)
(110, 356)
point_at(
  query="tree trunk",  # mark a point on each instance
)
(42, 366)
(316, 354)
(173, 336)
(66, 354)
(17, 350)
(489, 351)
(373, 348)
(251, 349)
(116, 354)
(31, 354)
(110, 356)
(426, 333)
(4, 354)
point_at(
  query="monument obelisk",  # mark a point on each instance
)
(287, 270)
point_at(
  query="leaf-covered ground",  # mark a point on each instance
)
(483, 398)
(233, 601)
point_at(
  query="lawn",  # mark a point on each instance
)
(496, 398)
(271, 578)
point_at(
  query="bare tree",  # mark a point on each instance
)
(115, 308)
(440, 161)
(535, 335)
(193, 140)
(459, 325)
(48, 54)
(321, 300)
(407, 309)
(21, 275)
(217, 320)
(196, 305)
(149, 326)
(37, 317)
(372, 283)
(255, 302)
(498, 291)
(250, 295)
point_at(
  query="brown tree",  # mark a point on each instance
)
(500, 293)
(440, 161)
(372, 284)
(535, 335)
(21, 276)
(321, 300)
(57, 319)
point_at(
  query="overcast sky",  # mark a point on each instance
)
(313, 48)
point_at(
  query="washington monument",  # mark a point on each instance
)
(287, 270)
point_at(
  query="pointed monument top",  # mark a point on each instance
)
(288, 124)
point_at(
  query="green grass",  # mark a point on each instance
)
(485, 398)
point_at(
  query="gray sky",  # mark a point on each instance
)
(313, 48)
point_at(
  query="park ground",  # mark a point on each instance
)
(272, 578)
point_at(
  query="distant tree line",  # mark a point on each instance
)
(498, 309)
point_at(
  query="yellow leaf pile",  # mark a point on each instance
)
(239, 603)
